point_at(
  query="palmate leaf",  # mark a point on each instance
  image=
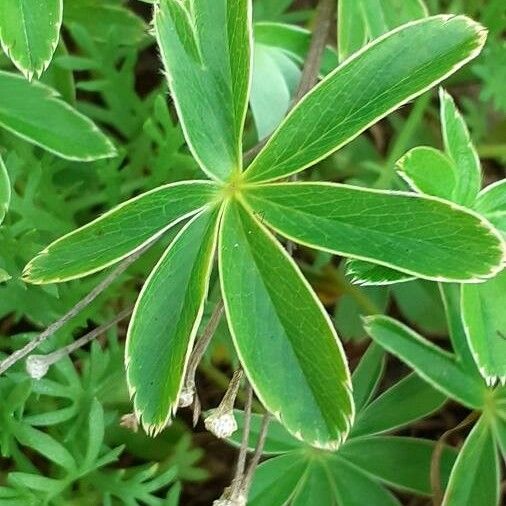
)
(5, 190)
(437, 367)
(165, 320)
(205, 47)
(365, 88)
(284, 338)
(29, 33)
(475, 476)
(421, 236)
(34, 112)
(119, 232)
(484, 320)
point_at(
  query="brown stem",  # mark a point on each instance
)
(435, 466)
(83, 303)
(258, 452)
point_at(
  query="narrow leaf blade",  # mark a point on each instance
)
(419, 235)
(205, 48)
(434, 365)
(34, 112)
(29, 33)
(484, 320)
(460, 149)
(365, 88)
(165, 320)
(284, 339)
(5, 190)
(118, 232)
(475, 477)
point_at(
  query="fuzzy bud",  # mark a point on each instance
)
(130, 422)
(221, 424)
(186, 397)
(37, 366)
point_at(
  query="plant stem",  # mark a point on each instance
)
(258, 452)
(73, 312)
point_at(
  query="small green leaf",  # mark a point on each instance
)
(396, 407)
(369, 274)
(475, 477)
(451, 296)
(275, 78)
(428, 170)
(119, 232)
(484, 318)
(365, 88)
(460, 149)
(166, 319)
(96, 428)
(45, 445)
(367, 375)
(491, 202)
(419, 301)
(419, 235)
(34, 112)
(282, 334)
(401, 462)
(434, 365)
(351, 28)
(205, 47)
(29, 33)
(5, 190)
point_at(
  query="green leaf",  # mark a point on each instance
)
(45, 445)
(275, 78)
(5, 190)
(500, 434)
(428, 170)
(419, 235)
(119, 232)
(96, 429)
(34, 112)
(484, 320)
(294, 41)
(396, 408)
(491, 202)
(205, 48)
(351, 28)
(475, 477)
(354, 487)
(317, 489)
(282, 334)
(367, 375)
(420, 303)
(369, 274)
(29, 33)
(278, 439)
(166, 319)
(434, 365)
(451, 296)
(276, 480)
(366, 88)
(401, 462)
(460, 149)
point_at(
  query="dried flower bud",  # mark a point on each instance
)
(130, 422)
(221, 424)
(187, 396)
(229, 498)
(37, 366)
